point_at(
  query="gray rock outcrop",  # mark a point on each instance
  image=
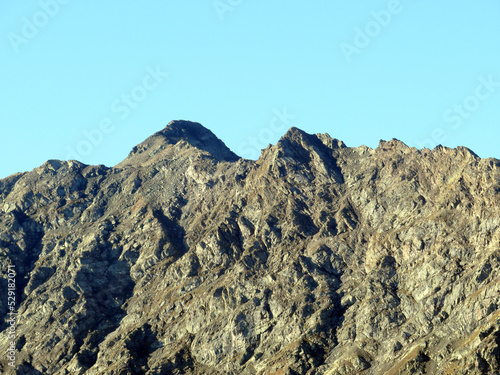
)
(315, 259)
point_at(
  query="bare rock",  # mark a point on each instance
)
(315, 259)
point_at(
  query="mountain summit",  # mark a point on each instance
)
(184, 134)
(315, 259)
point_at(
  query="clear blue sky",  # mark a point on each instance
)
(116, 72)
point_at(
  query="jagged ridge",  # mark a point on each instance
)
(315, 259)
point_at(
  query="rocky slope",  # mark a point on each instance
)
(315, 259)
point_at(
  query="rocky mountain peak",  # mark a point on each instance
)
(191, 132)
(395, 146)
(297, 136)
(175, 139)
(393, 143)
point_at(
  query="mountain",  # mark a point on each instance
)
(317, 258)
(178, 134)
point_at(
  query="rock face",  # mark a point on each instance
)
(315, 259)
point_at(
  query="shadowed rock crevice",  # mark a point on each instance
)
(174, 233)
(140, 345)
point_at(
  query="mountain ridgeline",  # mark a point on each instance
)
(316, 258)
